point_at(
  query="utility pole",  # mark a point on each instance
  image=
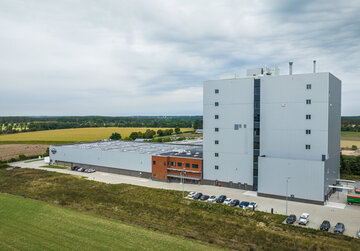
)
(182, 177)
(287, 185)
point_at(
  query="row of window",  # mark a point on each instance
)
(308, 116)
(238, 126)
(179, 164)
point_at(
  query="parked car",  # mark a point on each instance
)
(339, 228)
(325, 225)
(227, 201)
(304, 219)
(197, 196)
(234, 203)
(74, 168)
(212, 199)
(16, 167)
(191, 195)
(358, 234)
(252, 205)
(221, 199)
(204, 197)
(80, 169)
(244, 204)
(89, 170)
(291, 219)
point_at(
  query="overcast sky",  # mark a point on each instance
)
(151, 57)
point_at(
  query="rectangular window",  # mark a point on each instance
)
(307, 146)
(216, 129)
(236, 127)
(216, 142)
(216, 103)
(308, 101)
(216, 154)
(154, 162)
(216, 116)
(195, 166)
(308, 86)
(308, 116)
(244, 125)
(187, 165)
(179, 164)
(164, 163)
(172, 163)
(216, 167)
(240, 125)
(308, 131)
(216, 91)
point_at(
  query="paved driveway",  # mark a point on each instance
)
(333, 212)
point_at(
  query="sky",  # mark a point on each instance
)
(124, 58)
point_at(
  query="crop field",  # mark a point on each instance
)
(8, 151)
(153, 209)
(349, 143)
(70, 135)
(350, 134)
(32, 225)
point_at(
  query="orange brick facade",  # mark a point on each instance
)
(169, 168)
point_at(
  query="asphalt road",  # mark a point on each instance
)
(333, 211)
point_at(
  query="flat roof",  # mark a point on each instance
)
(140, 147)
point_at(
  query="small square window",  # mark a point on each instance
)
(216, 116)
(216, 154)
(308, 131)
(154, 162)
(216, 142)
(308, 86)
(187, 165)
(216, 167)
(308, 101)
(195, 166)
(216, 129)
(244, 125)
(308, 116)
(236, 127)
(179, 164)
(216, 103)
(307, 147)
(216, 91)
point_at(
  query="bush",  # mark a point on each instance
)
(354, 147)
(115, 136)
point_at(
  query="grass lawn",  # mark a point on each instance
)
(32, 160)
(32, 225)
(55, 167)
(70, 135)
(165, 211)
(350, 134)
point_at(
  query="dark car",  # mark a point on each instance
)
(204, 197)
(291, 219)
(221, 199)
(16, 167)
(339, 228)
(74, 168)
(234, 203)
(325, 225)
(244, 204)
(197, 196)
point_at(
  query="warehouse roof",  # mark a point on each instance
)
(139, 147)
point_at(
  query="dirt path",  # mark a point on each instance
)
(8, 151)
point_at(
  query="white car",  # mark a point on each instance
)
(191, 195)
(304, 219)
(227, 201)
(212, 199)
(252, 205)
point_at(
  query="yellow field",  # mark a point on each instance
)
(73, 135)
(349, 143)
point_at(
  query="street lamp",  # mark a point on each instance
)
(182, 177)
(287, 185)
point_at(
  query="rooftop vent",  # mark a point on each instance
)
(290, 68)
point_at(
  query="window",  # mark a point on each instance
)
(216, 116)
(308, 86)
(172, 163)
(216, 129)
(179, 164)
(244, 125)
(187, 165)
(216, 142)
(308, 116)
(216, 167)
(236, 127)
(154, 162)
(255, 172)
(216, 154)
(216, 103)
(307, 147)
(216, 91)
(195, 166)
(164, 163)
(308, 101)
(308, 131)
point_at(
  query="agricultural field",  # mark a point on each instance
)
(32, 225)
(62, 136)
(350, 134)
(8, 151)
(349, 143)
(152, 209)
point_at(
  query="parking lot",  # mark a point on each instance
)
(335, 210)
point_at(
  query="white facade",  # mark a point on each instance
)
(300, 117)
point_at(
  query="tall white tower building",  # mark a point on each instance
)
(275, 134)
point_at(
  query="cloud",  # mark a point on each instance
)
(151, 58)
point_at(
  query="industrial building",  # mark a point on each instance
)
(278, 135)
(275, 134)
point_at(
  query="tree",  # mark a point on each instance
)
(198, 124)
(149, 134)
(177, 130)
(160, 133)
(115, 136)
